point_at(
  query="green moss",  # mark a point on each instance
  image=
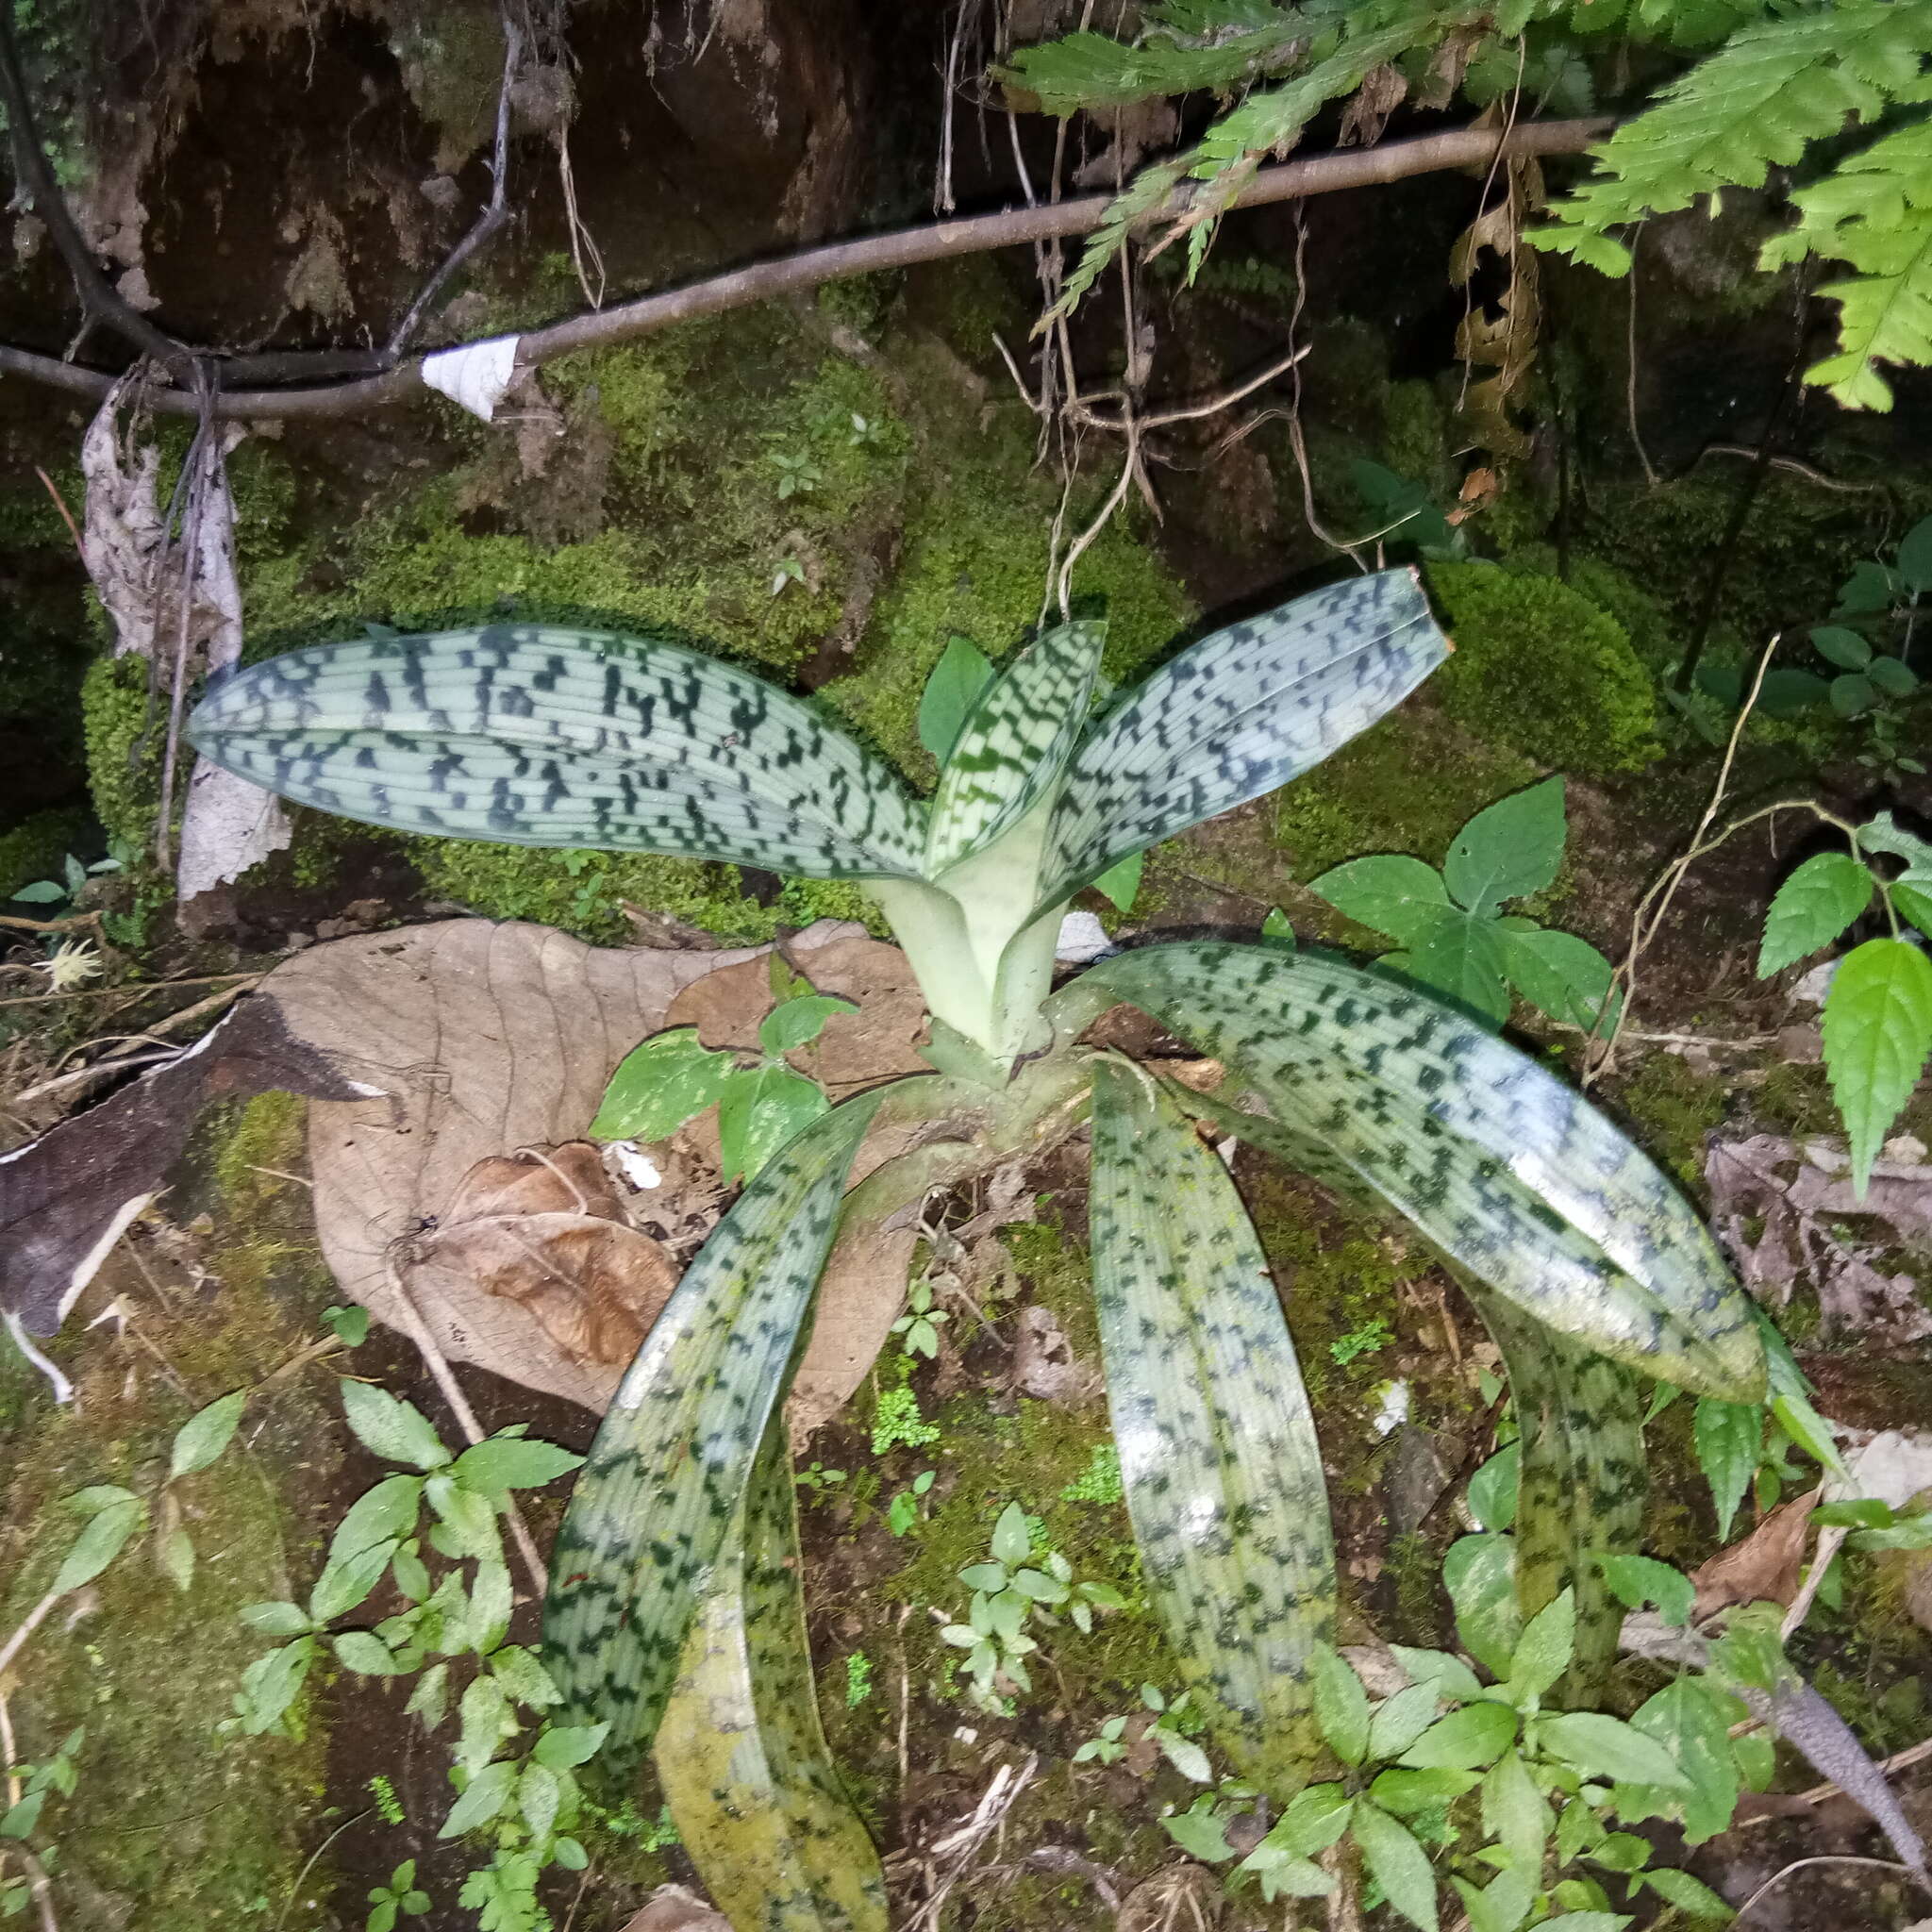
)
(1540, 669)
(125, 743)
(172, 1827)
(1645, 620)
(1674, 1112)
(1408, 784)
(34, 848)
(1415, 437)
(268, 1141)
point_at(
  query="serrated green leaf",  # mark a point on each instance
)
(961, 674)
(741, 1755)
(533, 734)
(1378, 1089)
(762, 1110)
(391, 1429)
(796, 1023)
(1341, 1706)
(1605, 1747)
(1912, 896)
(1690, 1895)
(1237, 715)
(1877, 1035)
(499, 1464)
(1012, 751)
(1219, 1462)
(1466, 1739)
(347, 1582)
(1560, 974)
(670, 1461)
(1508, 850)
(1389, 892)
(1817, 903)
(1728, 1436)
(673, 1077)
(1398, 1864)
(206, 1434)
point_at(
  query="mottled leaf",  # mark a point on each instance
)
(1237, 715)
(1397, 1863)
(761, 1111)
(1013, 748)
(532, 735)
(660, 1084)
(1380, 1088)
(665, 1476)
(1219, 1462)
(741, 1755)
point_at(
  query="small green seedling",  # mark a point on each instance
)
(399, 1896)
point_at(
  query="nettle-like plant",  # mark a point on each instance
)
(674, 1614)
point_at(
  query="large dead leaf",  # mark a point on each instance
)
(1784, 1211)
(66, 1197)
(546, 1230)
(456, 1067)
(1761, 1568)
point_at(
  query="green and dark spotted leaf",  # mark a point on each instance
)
(1581, 1483)
(1219, 1462)
(741, 1755)
(529, 734)
(1508, 1172)
(670, 1464)
(1237, 715)
(1012, 750)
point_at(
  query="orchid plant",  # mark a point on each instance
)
(674, 1615)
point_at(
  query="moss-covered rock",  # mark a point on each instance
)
(34, 848)
(125, 745)
(1541, 669)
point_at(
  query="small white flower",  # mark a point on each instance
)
(72, 963)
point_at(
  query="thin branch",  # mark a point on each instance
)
(1630, 366)
(1777, 1878)
(444, 1378)
(490, 218)
(1394, 161)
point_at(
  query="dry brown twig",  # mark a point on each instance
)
(962, 1845)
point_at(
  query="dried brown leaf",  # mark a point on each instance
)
(675, 1909)
(1763, 1567)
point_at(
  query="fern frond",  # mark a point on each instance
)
(1875, 214)
(1186, 49)
(1759, 101)
(1342, 51)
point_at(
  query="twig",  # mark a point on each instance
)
(99, 1070)
(1193, 412)
(1795, 466)
(137, 992)
(490, 218)
(1393, 160)
(66, 514)
(1295, 439)
(1665, 890)
(288, 1904)
(32, 1621)
(15, 923)
(1630, 365)
(964, 1843)
(438, 1364)
(1777, 1878)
